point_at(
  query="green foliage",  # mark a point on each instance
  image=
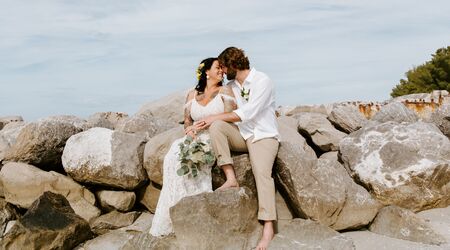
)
(193, 155)
(432, 75)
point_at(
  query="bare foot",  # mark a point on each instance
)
(228, 184)
(267, 236)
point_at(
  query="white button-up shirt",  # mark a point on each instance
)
(257, 115)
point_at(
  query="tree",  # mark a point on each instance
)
(432, 75)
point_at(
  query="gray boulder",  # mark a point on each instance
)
(41, 143)
(396, 112)
(106, 119)
(441, 118)
(132, 237)
(116, 200)
(243, 171)
(402, 164)
(319, 130)
(155, 151)
(167, 108)
(50, 223)
(7, 213)
(307, 234)
(105, 157)
(401, 223)
(145, 125)
(222, 220)
(4, 120)
(113, 220)
(8, 136)
(358, 208)
(149, 196)
(347, 118)
(23, 184)
(320, 189)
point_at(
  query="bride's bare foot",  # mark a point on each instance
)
(267, 236)
(228, 184)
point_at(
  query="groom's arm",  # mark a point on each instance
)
(226, 117)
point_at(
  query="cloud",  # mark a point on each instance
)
(121, 54)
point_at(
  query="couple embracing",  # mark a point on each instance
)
(238, 117)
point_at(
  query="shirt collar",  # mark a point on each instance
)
(251, 76)
(248, 79)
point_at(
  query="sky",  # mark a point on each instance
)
(86, 56)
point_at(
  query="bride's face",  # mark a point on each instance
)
(215, 73)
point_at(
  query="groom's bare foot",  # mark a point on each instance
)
(267, 236)
(228, 184)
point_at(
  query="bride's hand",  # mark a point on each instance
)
(192, 134)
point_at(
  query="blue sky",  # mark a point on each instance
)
(87, 56)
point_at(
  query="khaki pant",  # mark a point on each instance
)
(225, 137)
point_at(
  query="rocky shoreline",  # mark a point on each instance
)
(349, 175)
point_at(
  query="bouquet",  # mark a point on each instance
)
(194, 154)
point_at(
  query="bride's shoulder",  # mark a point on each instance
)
(191, 93)
(227, 89)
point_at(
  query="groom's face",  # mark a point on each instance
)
(231, 73)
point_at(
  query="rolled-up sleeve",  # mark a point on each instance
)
(259, 99)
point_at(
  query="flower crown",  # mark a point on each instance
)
(199, 70)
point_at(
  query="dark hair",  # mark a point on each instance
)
(234, 58)
(201, 71)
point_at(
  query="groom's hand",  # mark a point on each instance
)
(206, 122)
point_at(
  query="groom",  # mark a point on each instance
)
(256, 132)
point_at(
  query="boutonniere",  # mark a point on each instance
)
(245, 93)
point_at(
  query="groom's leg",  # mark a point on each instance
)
(225, 137)
(262, 156)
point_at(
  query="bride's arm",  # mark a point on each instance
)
(188, 121)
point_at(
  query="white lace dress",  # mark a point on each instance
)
(176, 187)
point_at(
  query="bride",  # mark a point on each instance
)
(208, 98)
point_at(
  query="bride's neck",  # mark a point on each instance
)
(210, 86)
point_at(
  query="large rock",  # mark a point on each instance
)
(155, 151)
(294, 155)
(113, 220)
(441, 118)
(167, 108)
(105, 157)
(358, 208)
(320, 189)
(4, 120)
(7, 213)
(41, 143)
(366, 240)
(149, 196)
(50, 223)
(243, 171)
(145, 125)
(307, 234)
(396, 112)
(347, 118)
(401, 223)
(116, 200)
(24, 183)
(216, 220)
(133, 237)
(8, 136)
(106, 119)
(319, 130)
(402, 164)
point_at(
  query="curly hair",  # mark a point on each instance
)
(234, 58)
(201, 73)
